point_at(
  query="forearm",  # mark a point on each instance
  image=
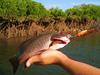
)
(78, 68)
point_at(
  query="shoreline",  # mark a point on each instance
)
(35, 28)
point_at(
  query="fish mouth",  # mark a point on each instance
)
(60, 41)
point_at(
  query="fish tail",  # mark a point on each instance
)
(15, 63)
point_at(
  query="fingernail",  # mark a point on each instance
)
(27, 64)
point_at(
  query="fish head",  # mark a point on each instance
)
(60, 40)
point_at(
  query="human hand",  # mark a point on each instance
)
(56, 57)
(47, 57)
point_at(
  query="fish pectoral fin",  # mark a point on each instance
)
(51, 44)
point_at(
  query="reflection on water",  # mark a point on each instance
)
(85, 49)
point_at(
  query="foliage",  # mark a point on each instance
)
(21, 8)
(14, 9)
(89, 11)
(56, 12)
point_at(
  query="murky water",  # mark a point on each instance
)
(85, 49)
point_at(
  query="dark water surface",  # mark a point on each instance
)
(85, 49)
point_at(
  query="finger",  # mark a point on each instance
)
(32, 60)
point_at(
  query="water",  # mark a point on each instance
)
(85, 49)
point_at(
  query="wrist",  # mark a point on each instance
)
(62, 59)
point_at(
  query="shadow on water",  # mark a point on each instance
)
(85, 49)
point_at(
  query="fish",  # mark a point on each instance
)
(37, 45)
(86, 32)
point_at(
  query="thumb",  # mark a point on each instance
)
(32, 60)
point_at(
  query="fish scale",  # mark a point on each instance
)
(35, 47)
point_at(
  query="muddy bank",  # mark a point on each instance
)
(33, 28)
